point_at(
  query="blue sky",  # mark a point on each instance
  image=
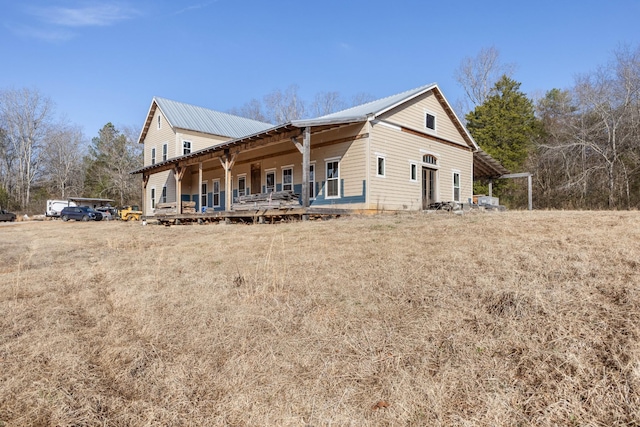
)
(104, 61)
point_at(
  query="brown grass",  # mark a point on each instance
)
(477, 320)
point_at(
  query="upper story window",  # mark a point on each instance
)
(430, 121)
(153, 156)
(165, 149)
(430, 159)
(159, 121)
(186, 147)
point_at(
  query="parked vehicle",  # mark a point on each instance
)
(108, 213)
(54, 207)
(80, 213)
(7, 216)
(130, 213)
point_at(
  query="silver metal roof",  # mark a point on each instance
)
(191, 117)
(377, 107)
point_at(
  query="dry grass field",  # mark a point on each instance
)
(517, 318)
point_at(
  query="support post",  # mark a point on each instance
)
(145, 181)
(306, 162)
(490, 188)
(179, 173)
(227, 162)
(199, 204)
(530, 193)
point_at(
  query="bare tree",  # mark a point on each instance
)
(478, 76)
(327, 103)
(251, 110)
(25, 116)
(284, 106)
(66, 147)
(361, 98)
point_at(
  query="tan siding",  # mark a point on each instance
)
(156, 137)
(412, 115)
(157, 181)
(396, 191)
(198, 140)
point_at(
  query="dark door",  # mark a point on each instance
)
(256, 181)
(428, 187)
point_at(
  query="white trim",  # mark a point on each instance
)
(455, 172)
(433, 153)
(205, 195)
(337, 179)
(312, 183)
(152, 197)
(153, 155)
(159, 120)
(435, 122)
(387, 125)
(165, 151)
(413, 164)
(275, 179)
(242, 175)
(384, 166)
(185, 141)
(163, 194)
(282, 170)
(213, 192)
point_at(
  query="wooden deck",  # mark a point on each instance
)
(250, 216)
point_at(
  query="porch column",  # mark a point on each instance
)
(179, 173)
(143, 201)
(227, 162)
(306, 161)
(200, 187)
(529, 193)
(490, 188)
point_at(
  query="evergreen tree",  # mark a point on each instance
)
(504, 126)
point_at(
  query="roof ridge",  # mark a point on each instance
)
(210, 109)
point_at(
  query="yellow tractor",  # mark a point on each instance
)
(130, 213)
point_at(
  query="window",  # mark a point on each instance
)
(159, 121)
(153, 198)
(430, 159)
(163, 199)
(413, 172)
(153, 156)
(204, 197)
(216, 193)
(312, 180)
(456, 186)
(270, 185)
(430, 121)
(333, 179)
(186, 147)
(380, 163)
(287, 179)
(164, 152)
(242, 185)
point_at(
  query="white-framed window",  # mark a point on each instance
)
(204, 196)
(153, 156)
(153, 198)
(159, 121)
(430, 159)
(287, 178)
(165, 151)
(186, 147)
(215, 193)
(312, 181)
(413, 172)
(380, 165)
(430, 121)
(270, 181)
(456, 186)
(163, 199)
(242, 185)
(333, 178)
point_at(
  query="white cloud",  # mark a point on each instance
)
(53, 36)
(87, 16)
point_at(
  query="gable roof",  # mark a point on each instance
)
(190, 117)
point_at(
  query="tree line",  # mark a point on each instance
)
(582, 144)
(42, 157)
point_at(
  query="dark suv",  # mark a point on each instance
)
(80, 213)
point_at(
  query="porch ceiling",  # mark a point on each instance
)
(485, 166)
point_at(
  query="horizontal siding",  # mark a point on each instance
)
(198, 140)
(395, 191)
(157, 181)
(412, 115)
(155, 138)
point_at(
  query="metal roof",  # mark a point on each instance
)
(191, 117)
(377, 107)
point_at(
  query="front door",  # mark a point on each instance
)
(256, 178)
(428, 187)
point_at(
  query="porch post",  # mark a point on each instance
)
(529, 192)
(490, 187)
(200, 187)
(227, 162)
(143, 201)
(306, 161)
(179, 173)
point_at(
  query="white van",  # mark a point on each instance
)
(54, 207)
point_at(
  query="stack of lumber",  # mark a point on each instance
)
(273, 200)
(166, 208)
(188, 207)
